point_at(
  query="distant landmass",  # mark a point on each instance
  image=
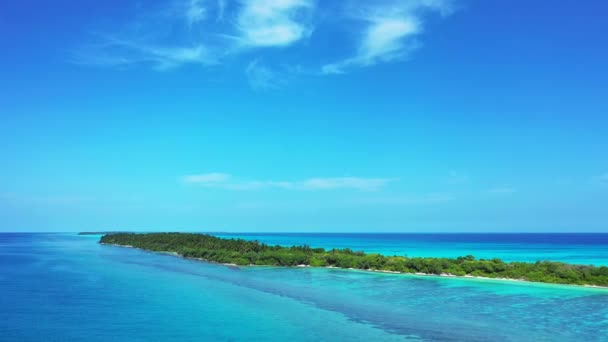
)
(245, 253)
(102, 233)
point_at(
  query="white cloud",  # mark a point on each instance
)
(180, 33)
(207, 178)
(225, 181)
(390, 29)
(384, 38)
(265, 23)
(366, 184)
(195, 12)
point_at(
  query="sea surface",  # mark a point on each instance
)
(587, 249)
(65, 287)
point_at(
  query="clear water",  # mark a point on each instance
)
(61, 287)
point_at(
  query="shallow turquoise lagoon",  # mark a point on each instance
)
(63, 287)
(590, 248)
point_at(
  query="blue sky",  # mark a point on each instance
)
(303, 115)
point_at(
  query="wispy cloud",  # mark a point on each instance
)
(226, 181)
(207, 178)
(159, 57)
(180, 33)
(221, 9)
(183, 32)
(368, 184)
(262, 77)
(503, 190)
(265, 23)
(162, 39)
(196, 12)
(390, 28)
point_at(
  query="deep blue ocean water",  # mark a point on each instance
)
(64, 287)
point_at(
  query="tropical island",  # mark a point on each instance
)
(247, 253)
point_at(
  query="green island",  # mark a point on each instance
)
(244, 253)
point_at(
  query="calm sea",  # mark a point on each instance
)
(570, 248)
(64, 287)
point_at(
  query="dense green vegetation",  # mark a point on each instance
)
(242, 252)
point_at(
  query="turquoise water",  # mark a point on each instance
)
(571, 248)
(62, 287)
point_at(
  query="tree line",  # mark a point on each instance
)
(244, 252)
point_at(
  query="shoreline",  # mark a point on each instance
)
(443, 275)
